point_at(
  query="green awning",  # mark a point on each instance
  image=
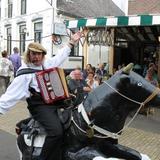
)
(135, 20)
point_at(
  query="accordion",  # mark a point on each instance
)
(52, 84)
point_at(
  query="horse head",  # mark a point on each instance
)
(110, 103)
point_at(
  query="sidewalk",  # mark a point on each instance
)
(9, 120)
(143, 141)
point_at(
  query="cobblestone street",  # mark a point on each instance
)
(144, 141)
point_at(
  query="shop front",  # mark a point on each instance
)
(120, 40)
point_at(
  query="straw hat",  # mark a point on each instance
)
(37, 47)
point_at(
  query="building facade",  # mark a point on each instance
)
(94, 53)
(139, 7)
(25, 21)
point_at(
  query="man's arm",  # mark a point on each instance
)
(61, 56)
(86, 87)
(16, 91)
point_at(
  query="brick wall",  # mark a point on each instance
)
(143, 7)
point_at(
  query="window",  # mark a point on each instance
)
(9, 40)
(23, 6)
(75, 51)
(10, 6)
(22, 33)
(38, 32)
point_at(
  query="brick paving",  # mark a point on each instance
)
(8, 121)
(145, 142)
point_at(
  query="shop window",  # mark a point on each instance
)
(75, 49)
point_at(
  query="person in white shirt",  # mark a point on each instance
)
(6, 69)
(25, 86)
(91, 81)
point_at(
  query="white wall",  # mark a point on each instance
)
(97, 54)
(35, 9)
(41, 9)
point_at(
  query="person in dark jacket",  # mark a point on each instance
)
(15, 58)
(78, 86)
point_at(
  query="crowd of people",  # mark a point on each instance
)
(80, 83)
(148, 70)
(8, 67)
(79, 80)
(87, 79)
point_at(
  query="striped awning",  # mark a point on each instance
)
(138, 20)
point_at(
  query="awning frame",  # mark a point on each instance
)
(132, 20)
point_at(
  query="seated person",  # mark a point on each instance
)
(101, 72)
(91, 81)
(78, 86)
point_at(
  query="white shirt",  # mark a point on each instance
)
(18, 89)
(6, 67)
(93, 85)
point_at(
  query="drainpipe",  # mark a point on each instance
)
(54, 7)
(53, 4)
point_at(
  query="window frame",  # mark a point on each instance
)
(10, 8)
(22, 37)
(38, 32)
(9, 40)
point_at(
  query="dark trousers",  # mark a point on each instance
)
(47, 116)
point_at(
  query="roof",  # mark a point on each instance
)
(143, 7)
(88, 8)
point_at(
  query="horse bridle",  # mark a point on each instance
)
(108, 134)
(142, 104)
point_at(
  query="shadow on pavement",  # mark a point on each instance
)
(8, 149)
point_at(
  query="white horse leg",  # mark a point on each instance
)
(145, 157)
(101, 158)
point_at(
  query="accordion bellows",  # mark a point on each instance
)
(52, 84)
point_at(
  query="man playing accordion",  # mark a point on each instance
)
(26, 86)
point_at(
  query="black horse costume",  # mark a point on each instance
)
(100, 119)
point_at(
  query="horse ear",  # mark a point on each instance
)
(128, 68)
